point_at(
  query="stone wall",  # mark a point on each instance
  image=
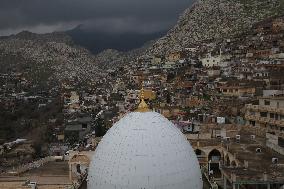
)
(33, 165)
(203, 136)
(258, 131)
(272, 142)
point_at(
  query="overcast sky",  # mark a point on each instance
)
(44, 16)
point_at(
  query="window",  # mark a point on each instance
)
(84, 126)
(252, 123)
(281, 142)
(266, 102)
(251, 113)
(263, 114)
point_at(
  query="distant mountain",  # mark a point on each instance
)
(58, 37)
(97, 42)
(45, 58)
(214, 19)
(110, 58)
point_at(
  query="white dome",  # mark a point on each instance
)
(144, 151)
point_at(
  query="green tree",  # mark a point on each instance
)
(100, 127)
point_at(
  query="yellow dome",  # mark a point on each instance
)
(143, 107)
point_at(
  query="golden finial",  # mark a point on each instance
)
(143, 107)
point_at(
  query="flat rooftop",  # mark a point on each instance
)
(246, 150)
(258, 162)
(53, 175)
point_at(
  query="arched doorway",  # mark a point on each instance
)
(234, 164)
(199, 153)
(214, 158)
(227, 161)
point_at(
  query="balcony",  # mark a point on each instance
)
(252, 117)
(257, 108)
(252, 107)
(265, 120)
(280, 123)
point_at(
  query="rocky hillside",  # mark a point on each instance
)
(213, 19)
(46, 57)
(58, 37)
(110, 57)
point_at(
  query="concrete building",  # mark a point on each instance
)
(268, 120)
(77, 130)
(74, 98)
(268, 115)
(214, 72)
(176, 56)
(211, 61)
(237, 90)
(156, 60)
(235, 158)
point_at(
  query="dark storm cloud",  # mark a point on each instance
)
(104, 15)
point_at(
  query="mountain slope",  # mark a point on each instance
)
(46, 57)
(110, 58)
(213, 19)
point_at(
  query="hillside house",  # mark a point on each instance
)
(176, 56)
(237, 91)
(210, 61)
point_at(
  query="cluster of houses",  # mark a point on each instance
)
(225, 95)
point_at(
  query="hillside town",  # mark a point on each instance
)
(225, 95)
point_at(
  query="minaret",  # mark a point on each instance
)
(142, 107)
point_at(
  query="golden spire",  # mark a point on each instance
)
(143, 107)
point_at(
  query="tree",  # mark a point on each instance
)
(100, 127)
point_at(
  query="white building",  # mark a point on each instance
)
(74, 98)
(144, 150)
(211, 61)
